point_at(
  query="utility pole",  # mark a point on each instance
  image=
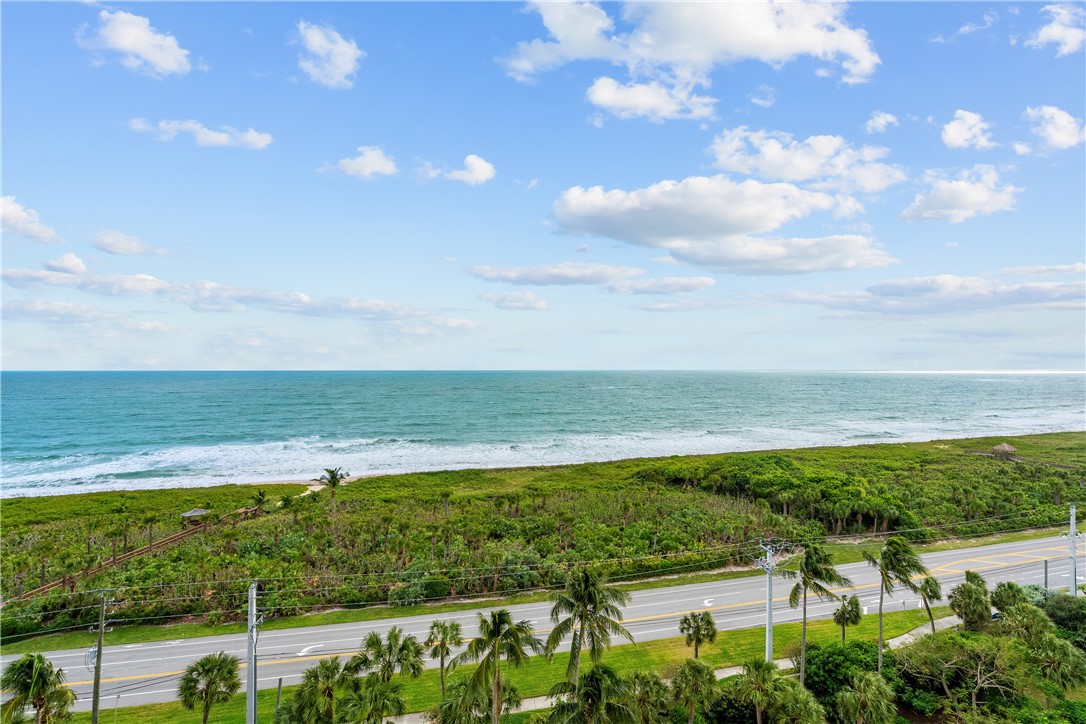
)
(770, 548)
(254, 630)
(1074, 551)
(98, 661)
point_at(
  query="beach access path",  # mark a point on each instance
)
(148, 672)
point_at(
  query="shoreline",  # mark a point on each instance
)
(312, 484)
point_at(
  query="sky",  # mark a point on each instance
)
(752, 186)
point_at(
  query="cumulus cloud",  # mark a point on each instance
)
(653, 100)
(670, 49)
(967, 130)
(225, 136)
(880, 121)
(329, 59)
(142, 48)
(618, 279)
(516, 301)
(1064, 29)
(67, 264)
(947, 294)
(371, 161)
(1036, 270)
(974, 191)
(1058, 129)
(116, 242)
(20, 220)
(829, 161)
(477, 171)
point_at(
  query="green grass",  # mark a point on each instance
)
(536, 678)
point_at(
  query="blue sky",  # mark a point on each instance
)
(886, 186)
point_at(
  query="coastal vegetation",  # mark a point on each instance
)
(417, 538)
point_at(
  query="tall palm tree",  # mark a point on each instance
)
(758, 685)
(314, 701)
(699, 628)
(649, 697)
(601, 697)
(590, 607)
(814, 572)
(373, 702)
(499, 637)
(333, 478)
(868, 699)
(848, 614)
(443, 637)
(930, 590)
(693, 686)
(33, 681)
(211, 680)
(896, 563)
(385, 656)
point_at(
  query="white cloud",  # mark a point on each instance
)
(974, 191)
(765, 96)
(1064, 29)
(880, 121)
(55, 312)
(476, 171)
(667, 285)
(1078, 268)
(967, 130)
(18, 219)
(1022, 149)
(828, 160)
(948, 294)
(330, 59)
(371, 161)
(67, 264)
(226, 136)
(711, 222)
(142, 48)
(653, 100)
(988, 21)
(116, 242)
(618, 279)
(516, 300)
(670, 49)
(1057, 128)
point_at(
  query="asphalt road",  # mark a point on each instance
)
(146, 673)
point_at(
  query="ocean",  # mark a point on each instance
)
(67, 432)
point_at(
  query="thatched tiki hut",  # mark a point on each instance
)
(1003, 451)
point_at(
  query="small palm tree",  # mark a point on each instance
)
(333, 478)
(499, 638)
(649, 697)
(848, 614)
(814, 571)
(289, 503)
(33, 681)
(796, 705)
(694, 686)
(600, 697)
(259, 499)
(897, 563)
(930, 590)
(315, 698)
(373, 702)
(443, 637)
(699, 628)
(758, 685)
(385, 657)
(211, 680)
(590, 607)
(462, 707)
(868, 699)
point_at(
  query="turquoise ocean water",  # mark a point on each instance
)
(66, 432)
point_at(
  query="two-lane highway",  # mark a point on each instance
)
(148, 672)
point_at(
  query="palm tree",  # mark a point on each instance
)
(385, 657)
(333, 478)
(259, 499)
(815, 570)
(601, 697)
(796, 705)
(373, 702)
(848, 614)
(896, 563)
(289, 502)
(315, 698)
(461, 707)
(693, 686)
(758, 685)
(699, 628)
(33, 681)
(867, 700)
(499, 637)
(591, 610)
(211, 680)
(443, 637)
(649, 697)
(930, 590)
